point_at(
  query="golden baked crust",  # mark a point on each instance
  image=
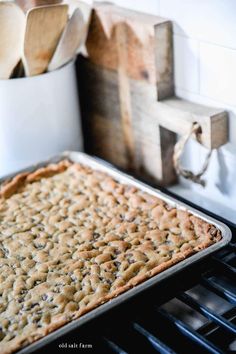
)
(71, 238)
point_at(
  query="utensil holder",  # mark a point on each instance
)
(39, 116)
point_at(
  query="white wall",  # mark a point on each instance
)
(205, 72)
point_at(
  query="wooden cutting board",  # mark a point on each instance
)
(129, 113)
(123, 48)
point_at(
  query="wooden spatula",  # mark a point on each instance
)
(44, 27)
(70, 41)
(12, 27)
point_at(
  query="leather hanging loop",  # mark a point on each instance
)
(178, 151)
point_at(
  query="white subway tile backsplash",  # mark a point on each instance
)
(208, 20)
(186, 63)
(218, 73)
(220, 178)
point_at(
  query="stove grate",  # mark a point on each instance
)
(165, 332)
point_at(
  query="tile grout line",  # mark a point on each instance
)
(203, 41)
(215, 101)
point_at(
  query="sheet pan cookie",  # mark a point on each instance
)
(71, 238)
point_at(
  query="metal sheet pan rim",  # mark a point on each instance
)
(124, 178)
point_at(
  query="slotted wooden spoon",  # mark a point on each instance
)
(12, 27)
(70, 41)
(44, 27)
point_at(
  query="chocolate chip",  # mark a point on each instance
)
(130, 261)
(21, 258)
(36, 320)
(24, 291)
(144, 74)
(39, 246)
(37, 282)
(2, 335)
(33, 305)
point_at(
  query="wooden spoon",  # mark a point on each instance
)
(12, 27)
(85, 7)
(44, 27)
(26, 5)
(70, 41)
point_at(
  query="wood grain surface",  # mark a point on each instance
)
(44, 27)
(130, 115)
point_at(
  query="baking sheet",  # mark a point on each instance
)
(123, 178)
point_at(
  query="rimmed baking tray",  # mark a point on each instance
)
(123, 178)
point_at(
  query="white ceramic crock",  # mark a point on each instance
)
(39, 117)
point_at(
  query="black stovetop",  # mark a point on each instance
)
(191, 312)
